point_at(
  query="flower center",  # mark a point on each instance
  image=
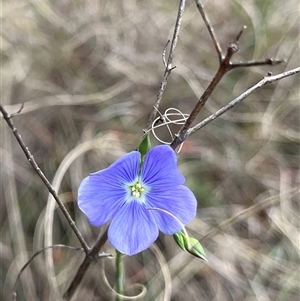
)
(137, 189)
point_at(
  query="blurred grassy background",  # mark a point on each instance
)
(88, 73)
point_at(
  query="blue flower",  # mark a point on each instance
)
(139, 200)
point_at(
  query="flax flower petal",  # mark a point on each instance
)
(133, 229)
(159, 170)
(180, 202)
(102, 193)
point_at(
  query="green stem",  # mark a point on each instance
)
(119, 276)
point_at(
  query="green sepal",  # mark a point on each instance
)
(190, 244)
(144, 145)
(180, 240)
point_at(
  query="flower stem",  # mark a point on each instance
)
(119, 276)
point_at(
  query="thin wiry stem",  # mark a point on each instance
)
(119, 276)
(168, 65)
(29, 156)
(35, 255)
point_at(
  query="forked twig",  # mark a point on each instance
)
(225, 65)
(90, 257)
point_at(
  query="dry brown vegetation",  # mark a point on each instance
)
(88, 73)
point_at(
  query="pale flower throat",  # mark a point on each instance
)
(137, 190)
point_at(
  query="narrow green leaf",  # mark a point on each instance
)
(144, 145)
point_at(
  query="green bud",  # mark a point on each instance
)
(179, 238)
(189, 244)
(196, 249)
(145, 145)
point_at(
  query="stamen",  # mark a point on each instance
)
(137, 189)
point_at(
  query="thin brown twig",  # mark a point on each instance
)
(7, 117)
(168, 65)
(223, 68)
(267, 61)
(240, 33)
(164, 54)
(210, 30)
(266, 80)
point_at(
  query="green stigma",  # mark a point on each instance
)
(137, 189)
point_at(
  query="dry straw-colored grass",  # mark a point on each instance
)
(88, 73)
